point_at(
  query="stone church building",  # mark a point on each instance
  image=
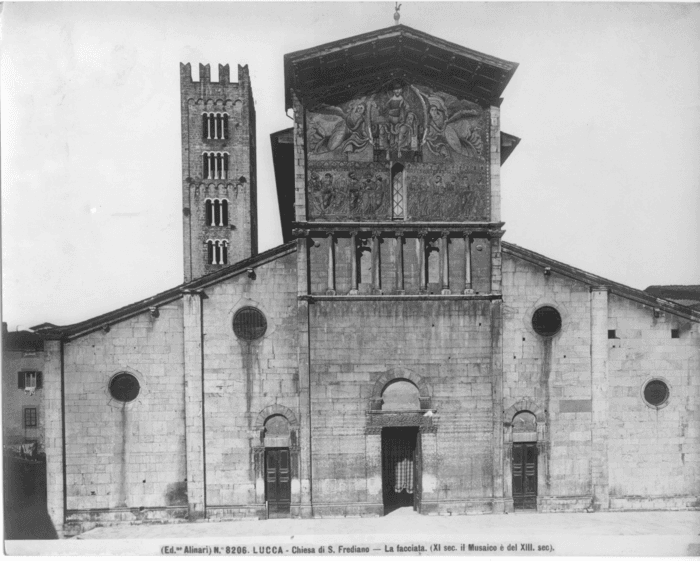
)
(394, 351)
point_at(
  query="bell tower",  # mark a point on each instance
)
(219, 198)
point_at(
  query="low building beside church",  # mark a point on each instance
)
(394, 351)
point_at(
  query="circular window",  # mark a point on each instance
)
(546, 321)
(249, 324)
(656, 393)
(124, 387)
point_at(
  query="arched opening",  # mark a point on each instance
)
(210, 252)
(208, 212)
(276, 431)
(278, 491)
(225, 120)
(432, 263)
(397, 191)
(224, 212)
(224, 253)
(205, 166)
(364, 254)
(217, 213)
(400, 395)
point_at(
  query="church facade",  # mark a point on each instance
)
(394, 351)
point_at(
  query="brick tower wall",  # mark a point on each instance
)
(237, 185)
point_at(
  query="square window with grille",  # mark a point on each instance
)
(30, 417)
(28, 380)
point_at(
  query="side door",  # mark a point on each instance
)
(278, 492)
(525, 475)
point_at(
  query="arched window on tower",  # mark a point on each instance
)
(217, 252)
(205, 166)
(210, 252)
(398, 193)
(224, 212)
(214, 126)
(216, 212)
(215, 165)
(208, 211)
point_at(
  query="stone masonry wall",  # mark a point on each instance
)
(243, 378)
(553, 373)
(654, 454)
(132, 455)
(448, 345)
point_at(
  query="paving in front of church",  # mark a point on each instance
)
(619, 533)
(667, 533)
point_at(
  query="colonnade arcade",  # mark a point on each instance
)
(437, 255)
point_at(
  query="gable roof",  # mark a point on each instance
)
(330, 72)
(75, 330)
(590, 279)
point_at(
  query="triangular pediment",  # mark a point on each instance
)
(335, 72)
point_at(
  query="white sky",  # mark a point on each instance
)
(606, 101)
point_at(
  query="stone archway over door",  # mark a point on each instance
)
(525, 442)
(276, 456)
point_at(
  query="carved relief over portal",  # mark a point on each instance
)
(401, 122)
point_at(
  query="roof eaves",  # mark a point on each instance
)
(73, 331)
(590, 279)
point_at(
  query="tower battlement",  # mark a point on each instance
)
(205, 75)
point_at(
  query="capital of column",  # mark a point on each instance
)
(445, 234)
(376, 233)
(422, 234)
(330, 234)
(300, 233)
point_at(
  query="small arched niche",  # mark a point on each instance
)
(276, 432)
(525, 427)
(400, 395)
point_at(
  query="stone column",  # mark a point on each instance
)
(468, 263)
(599, 397)
(331, 263)
(353, 261)
(423, 286)
(444, 263)
(376, 261)
(399, 264)
(194, 406)
(53, 435)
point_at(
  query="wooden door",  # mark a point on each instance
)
(278, 490)
(525, 475)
